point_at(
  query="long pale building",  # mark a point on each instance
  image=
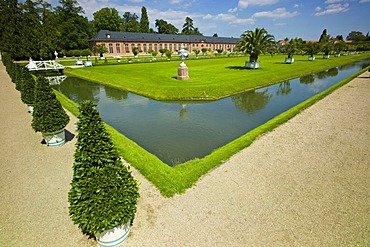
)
(123, 43)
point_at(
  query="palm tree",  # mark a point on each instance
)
(255, 43)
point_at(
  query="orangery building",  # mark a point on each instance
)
(123, 43)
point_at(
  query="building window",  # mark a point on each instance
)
(165, 46)
(132, 47)
(139, 45)
(110, 48)
(118, 48)
(156, 47)
(150, 47)
(170, 47)
(144, 48)
(126, 48)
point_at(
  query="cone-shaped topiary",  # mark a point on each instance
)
(28, 87)
(48, 115)
(103, 192)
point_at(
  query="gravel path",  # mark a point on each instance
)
(307, 183)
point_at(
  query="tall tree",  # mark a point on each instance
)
(106, 19)
(188, 27)
(164, 27)
(144, 21)
(356, 36)
(9, 20)
(130, 22)
(74, 28)
(324, 37)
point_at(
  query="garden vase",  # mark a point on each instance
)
(115, 236)
(56, 138)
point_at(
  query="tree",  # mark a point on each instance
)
(28, 87)
(168, 54)
(49, 115)
(311, 48)
(144, 21)
(106, 19)
(215, 35)
(188, 28)
(324, 37)
(9, 21)
(255, 43)
(340, 46)
(130, 23)
(356, 36)
(164, 27)
(99, 49)
(196, 51)
(103, 192)
(73, 27)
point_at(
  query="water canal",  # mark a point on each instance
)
(180, 131)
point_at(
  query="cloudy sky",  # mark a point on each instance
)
(230, 18)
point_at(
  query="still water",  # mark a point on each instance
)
(180, 131)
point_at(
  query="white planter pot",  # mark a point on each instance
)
(289, 60)
(30, 109)
(326, 56)
(88, 63)
(311, 58)
(114, 236)
(252, 65)
(337, 55)
(55, 139)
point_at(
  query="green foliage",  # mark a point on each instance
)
(48, 115)
(130, 23)
(144, 21)
(311, 48)
(196, 52)
(204, 50)
(106, 19)
(168, 54)
(255, 43)
(135, 50)
(28, 87)
(103, 192)
(164, 27)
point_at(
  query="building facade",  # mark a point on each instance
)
(123, 43)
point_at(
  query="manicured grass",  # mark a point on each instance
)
(174, 180)
(210, 79)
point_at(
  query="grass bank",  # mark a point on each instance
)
(174, 180)
(210, 79)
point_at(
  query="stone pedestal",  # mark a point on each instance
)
(182, 73)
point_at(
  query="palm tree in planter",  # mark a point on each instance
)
(290, 49)
(255, 43)
(28, 89)
(327, 48)
(49, 117)
(103, 194)
(311, 49)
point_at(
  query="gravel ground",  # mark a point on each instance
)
(307, 183)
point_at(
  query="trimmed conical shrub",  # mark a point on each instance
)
(28, 87)
(48, 114)
(103, 192)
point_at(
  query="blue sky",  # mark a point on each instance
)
(230, 18)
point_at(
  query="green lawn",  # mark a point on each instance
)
(210, 79)
(174, 180)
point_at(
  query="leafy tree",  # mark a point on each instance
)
(162, 51)
(106, 19)
(356, 36)
(73, 27)
(144, 21)
(86, 53)
(215, 35)
(311, 48)
(168, 54)
(340, 46)
(255, 43)
(130, 23)
(204, 50)
(196, 52)
(164, 27)
(135, 51)
(103, 192)
(188, 27)
(50, 35)
(48, 115)
(9, 23)
(339, 37)
(324, 37)
(99, 49)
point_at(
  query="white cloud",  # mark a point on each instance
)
(333, 1)
(243, 4)
(278, 13)
(175, 1)
(365, 1)
(334, 9)
(296, 5)
(232, 10)
(242, 21)
(136, 1)
(317, 9)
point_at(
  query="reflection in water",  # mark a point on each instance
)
(79, 90)
(308, 79)
(116, 94)
(180, 131)
(284, 88)
(56, 80)
(251, 101)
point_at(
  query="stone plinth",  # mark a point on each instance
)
(182, 73)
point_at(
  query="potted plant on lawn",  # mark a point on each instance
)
(103, 194)
(255, 43)
(339, 47)
(290, 49)
(311, 49)
(326, 49)
(28, 89)
(49, 117)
